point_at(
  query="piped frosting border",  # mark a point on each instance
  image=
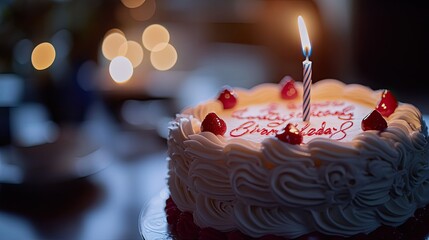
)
(336, 188)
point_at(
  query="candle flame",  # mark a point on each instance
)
(305, 40)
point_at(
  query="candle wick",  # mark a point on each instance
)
(306, 52)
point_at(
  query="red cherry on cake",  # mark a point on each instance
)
(213, 123)
(186, 228)
(373, 121)
(271, 237)
(387, 232)
(228, 98)
(172, 214)
(211, 234)
(290, 134)
(288, 90)
(169, 203)
(236, 235)
(387, 103)
(171, 211)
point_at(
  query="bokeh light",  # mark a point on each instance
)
(86, 75)
(62, 40)
(43, 56)
(133, 51)
(155, 35)
(132, 3)
(22, 51)
(144, 11)
(112, 42)
(164, 59)
(120, 69)
(32, 125)
(114, 30)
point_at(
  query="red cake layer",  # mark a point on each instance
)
(182, 227)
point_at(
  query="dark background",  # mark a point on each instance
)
(381, 44)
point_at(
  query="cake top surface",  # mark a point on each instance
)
(337, 110)
(335, 119)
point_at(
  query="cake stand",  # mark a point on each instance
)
(152, 220)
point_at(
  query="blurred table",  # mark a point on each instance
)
(105, 205)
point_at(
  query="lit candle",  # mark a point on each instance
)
(306, 50)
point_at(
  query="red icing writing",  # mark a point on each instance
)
(269, 114)
(334, 133)
(251, 127)
(269, 120)
(272, 114)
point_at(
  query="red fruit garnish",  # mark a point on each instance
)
(169, 202)
(213, 123)
(288, 90)
(211, 234)
(173, 214)
(271, 237)
(387, 103)
(422, 214)
(236, 235)
(373, 121)
(290, 134)
(228, 98)
(359, 236)
(313, 236)
(186, 228)
(171, 211)
(386, 232)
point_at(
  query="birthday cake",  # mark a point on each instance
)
(246, 164)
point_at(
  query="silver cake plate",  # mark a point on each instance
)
(152, 220)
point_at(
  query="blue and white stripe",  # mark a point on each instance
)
(307, 87)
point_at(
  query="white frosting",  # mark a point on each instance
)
(265, 186)
(338, 120)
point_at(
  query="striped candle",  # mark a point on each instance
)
(306, 50)
(307, 89)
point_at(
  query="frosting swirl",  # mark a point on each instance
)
(334, 187)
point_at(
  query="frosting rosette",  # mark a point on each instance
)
(339, 181)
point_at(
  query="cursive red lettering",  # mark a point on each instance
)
(321, 130)
(251, 127)
(341, 133)
(328, 131)
(311, 132)
(267, 132)
(332, 132)
(345, 114)
(242, 129)
(266, 114)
